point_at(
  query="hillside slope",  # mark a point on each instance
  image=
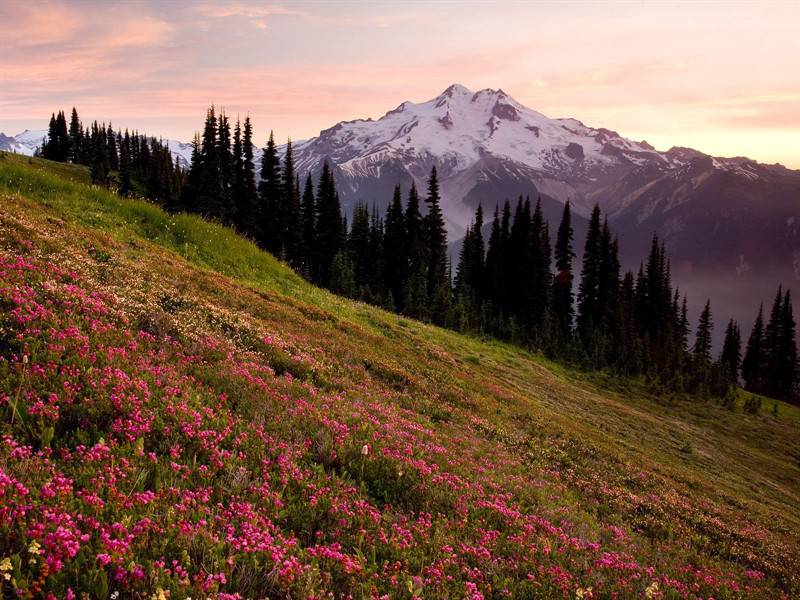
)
(180, 412)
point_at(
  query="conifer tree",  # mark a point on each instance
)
(291, 234)
(250, 217)
(227, 207)
(209, 197)
(269, 190)
(436, 238)
(309, 225)
(702, 344)
(237, 194)
(731, 356)
(124, 170)
(754, 362)
(562, 285)
(415, 297)
(395, 250)
(113, 152)
(541, 277)
(589, 288)
(330, 225)
(75, 138)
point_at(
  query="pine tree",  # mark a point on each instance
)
(395, 250)
(309, 225)
(541, 277)
(269, 190)
(330, 225)
(754, 362)
(290, 208)
(249, 213)
(62, 149)
(788, 369)
(113, 152)
(702, 344)
(75, 138)
(358, 246)
(589, 288)
(99, 166)
(415, 296)
(436, 238)
(563, 309)
(730, 359)
(209, 197)
(238, 195)
(226, 204)
(125, 169)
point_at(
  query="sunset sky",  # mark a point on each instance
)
(721, 77)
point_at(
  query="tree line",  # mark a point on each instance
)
(132, 163)
(515, 285)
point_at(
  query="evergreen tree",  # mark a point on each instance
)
(291, 234)
(415, 297)
(113, 151)
(309, 225)
(436, 238)
(226, 204)
(209, 198)
(754, 362)
(358, 245)
(125, 169)
(589, 288)
(395, 250)
(269, 191)
(238, 196)
(75, 138)
(731, 356)
(562, 285)
(541, 277)
(99, 166)
(702, 344)
(249, 213)
(330, 225)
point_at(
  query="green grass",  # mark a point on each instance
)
(594, 426)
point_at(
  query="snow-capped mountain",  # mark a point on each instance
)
(23, 143)
(28, 141)
(731, 225)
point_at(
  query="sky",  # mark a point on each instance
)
(722, 77)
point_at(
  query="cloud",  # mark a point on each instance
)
(236, 9)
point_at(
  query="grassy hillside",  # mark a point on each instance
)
(182, 415)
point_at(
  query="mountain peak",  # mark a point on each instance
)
(455, 89)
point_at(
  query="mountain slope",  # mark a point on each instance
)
(217, 424)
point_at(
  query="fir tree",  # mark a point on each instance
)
(269, 191)
(754, 362)
(436, 238)
(730, 359)
(291, 234)
(415, 296)
(249, 213)
(309, 226)
(395, 250)
(75, 138)
(562, 285)
(702, 344)
(330, 225)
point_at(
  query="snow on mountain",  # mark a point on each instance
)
(486, 147)
(23, 143)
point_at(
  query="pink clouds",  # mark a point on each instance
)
(302, 66)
